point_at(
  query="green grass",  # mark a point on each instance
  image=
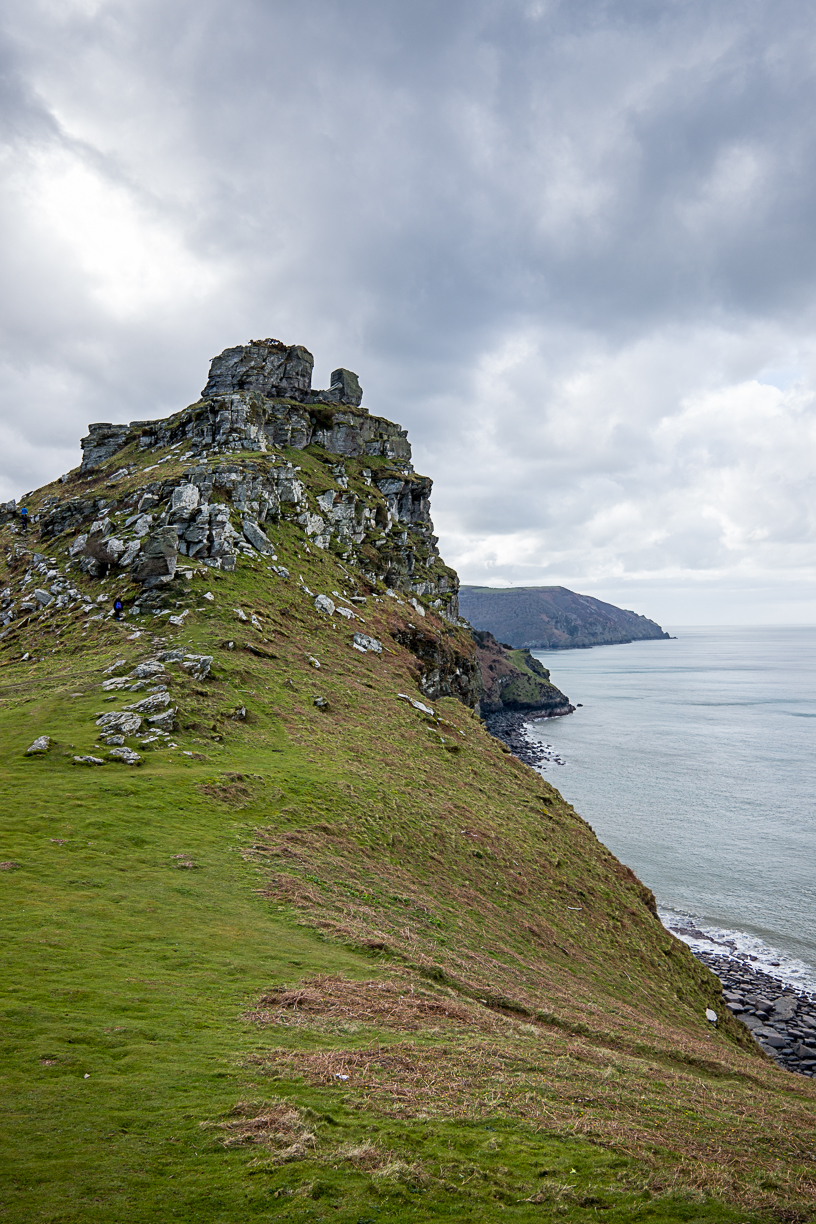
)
(374, 894)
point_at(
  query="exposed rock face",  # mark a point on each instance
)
(103, 440)
(268, 367)
(157, 561)
(442, 670)
(258, 398)
(513, 680)
(552, 618)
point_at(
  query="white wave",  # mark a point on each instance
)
(701, 936)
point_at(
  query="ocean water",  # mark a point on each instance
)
(694, 760)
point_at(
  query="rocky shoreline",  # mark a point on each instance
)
(781, 1018)
(511, 728)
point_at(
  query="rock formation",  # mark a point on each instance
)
(514, 681)
(236, 447)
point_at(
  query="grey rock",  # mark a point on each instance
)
(42, 597)
(344, 389)
(418, 705)
(130, 554)
(323, 604)
(41, 744)
(364, 643)
(88, 760)
(165, 721)
(103, 441)
(256, 537)
(775, 1040)
(271, 368)
(185, 499)
(107, 550)
(157, 563)
(114, 741)
(152, 704)
(152, 668)
(126, 755)
(171, 656)
(120, 722)
(785, 1007)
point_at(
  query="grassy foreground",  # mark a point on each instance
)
(346, 963)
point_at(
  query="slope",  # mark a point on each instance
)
(326, 951)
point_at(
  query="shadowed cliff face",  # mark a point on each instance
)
(513, 680)
(552, 618)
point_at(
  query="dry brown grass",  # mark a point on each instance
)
(399, 1005)
(719, 1132)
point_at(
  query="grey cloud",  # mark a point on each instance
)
(412, 191)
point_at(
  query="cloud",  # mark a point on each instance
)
(569, 246)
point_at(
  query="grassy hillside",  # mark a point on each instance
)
(346, 961)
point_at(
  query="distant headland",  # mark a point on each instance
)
(552, 618)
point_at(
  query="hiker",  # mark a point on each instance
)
(117, 608)
(24, 518)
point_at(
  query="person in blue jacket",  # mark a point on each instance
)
(24, 517)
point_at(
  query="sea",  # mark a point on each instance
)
(694, 760)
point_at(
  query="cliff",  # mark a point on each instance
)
(514, 681)
(552, 618)
(282, 923)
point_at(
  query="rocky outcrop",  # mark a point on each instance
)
(513, 681)
(236, 475)
(268, 367)
(258, 396)
(552, 618)
(442, 668)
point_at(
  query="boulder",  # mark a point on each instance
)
(185, 499)
(256, 537)
(41, 744)
(165, 721)
(323, 604)
(120, 722)
(88, 760)
(364, 643)
(345, 388)
(126, 755)
(130, 554)
(42, 597)
(103, 440)
(152, 704)
(107, 550)
(157, 562)
(151, 668)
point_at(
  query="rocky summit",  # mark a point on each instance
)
(287, 934)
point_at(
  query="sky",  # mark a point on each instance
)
(570, 246)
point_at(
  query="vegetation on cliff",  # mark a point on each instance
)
(513, 680)
(325, 951)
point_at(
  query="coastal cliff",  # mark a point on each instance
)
(552, 618)
(282, 922)
(516, 682)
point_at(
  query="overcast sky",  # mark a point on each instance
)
(570, 246)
